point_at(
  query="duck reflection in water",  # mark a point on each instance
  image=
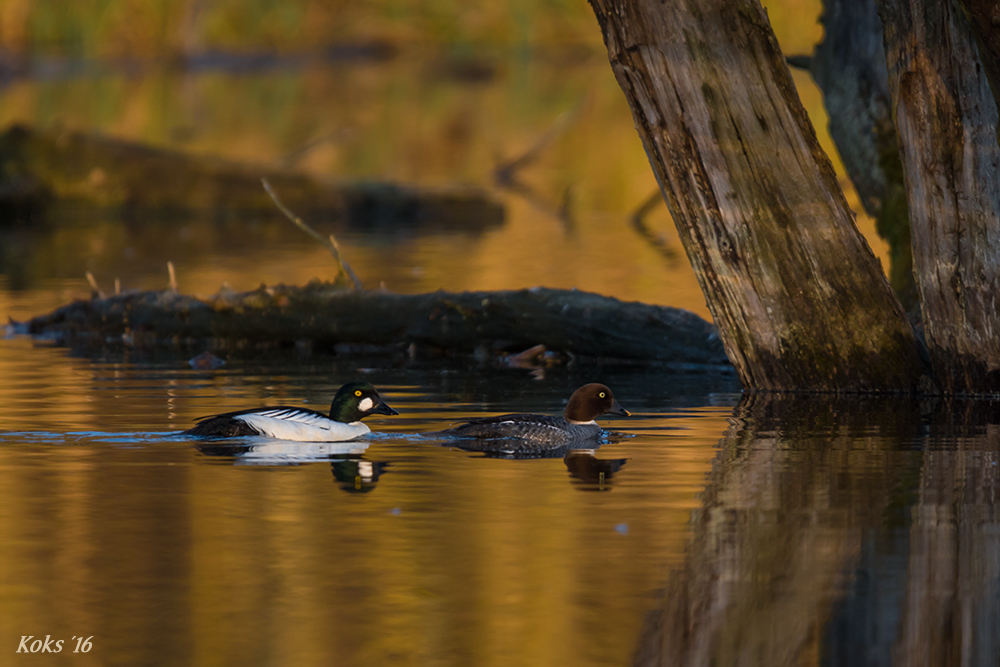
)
(351, 471)
(573, 437)
(595, 473)
(357, 475)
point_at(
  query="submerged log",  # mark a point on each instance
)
(327, 316)
(799, 298)
(947, 118)
(37, 166)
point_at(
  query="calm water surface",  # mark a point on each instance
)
(708, 529)
(805, 531)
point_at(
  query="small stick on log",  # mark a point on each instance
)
(331, 243)
(173, 276)
(337, 136)
(95, 290)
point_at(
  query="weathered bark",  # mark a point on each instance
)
(38, 166)
(946, 119)
(327, 316)
(849, 67)
(984, 18)
(799, 298)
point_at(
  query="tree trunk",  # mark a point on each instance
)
(984, 18)
(799, 298)
(946, 119)
(849, 67)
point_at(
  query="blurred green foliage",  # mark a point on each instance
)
(92, 29)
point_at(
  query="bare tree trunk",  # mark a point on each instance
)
(799, 298)
(946, 119)
(849, 67)
(984, 18)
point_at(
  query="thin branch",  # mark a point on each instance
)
(95, 290)
(173, 276)
(337, 136)
(506, 172)
(639, 224)
(505, 175)
(330, 244)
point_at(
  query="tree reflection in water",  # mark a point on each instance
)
(841, 532)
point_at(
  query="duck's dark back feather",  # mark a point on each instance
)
(223, 426)
(552, 431)
(227, 426)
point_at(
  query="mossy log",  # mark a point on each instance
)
(326, 316)
(800, 300)
(38, 166)
(946, 118)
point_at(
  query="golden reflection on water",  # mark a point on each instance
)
(404, 121)
(169, 554)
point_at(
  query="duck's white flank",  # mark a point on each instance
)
(302, 426)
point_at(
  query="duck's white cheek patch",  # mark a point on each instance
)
(366, 404)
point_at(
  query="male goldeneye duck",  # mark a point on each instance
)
(353, 402)
(577, 423)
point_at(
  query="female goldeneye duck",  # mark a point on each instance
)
(577, 423)
(353, 402)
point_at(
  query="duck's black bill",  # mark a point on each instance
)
(384, 409)
(619, 410)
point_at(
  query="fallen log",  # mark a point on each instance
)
(38, 167)
(326, 316)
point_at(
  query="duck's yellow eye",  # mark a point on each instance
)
(357, 392)
(603, 395)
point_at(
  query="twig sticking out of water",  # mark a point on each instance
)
(118, 287)
(173, 276)
(331, 243)
(639, 224)
(337, 136)
(506, 173)
(95, 290)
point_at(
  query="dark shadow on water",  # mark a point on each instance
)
(841, 532)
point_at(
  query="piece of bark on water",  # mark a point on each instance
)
(328, 315)
(39, 166)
